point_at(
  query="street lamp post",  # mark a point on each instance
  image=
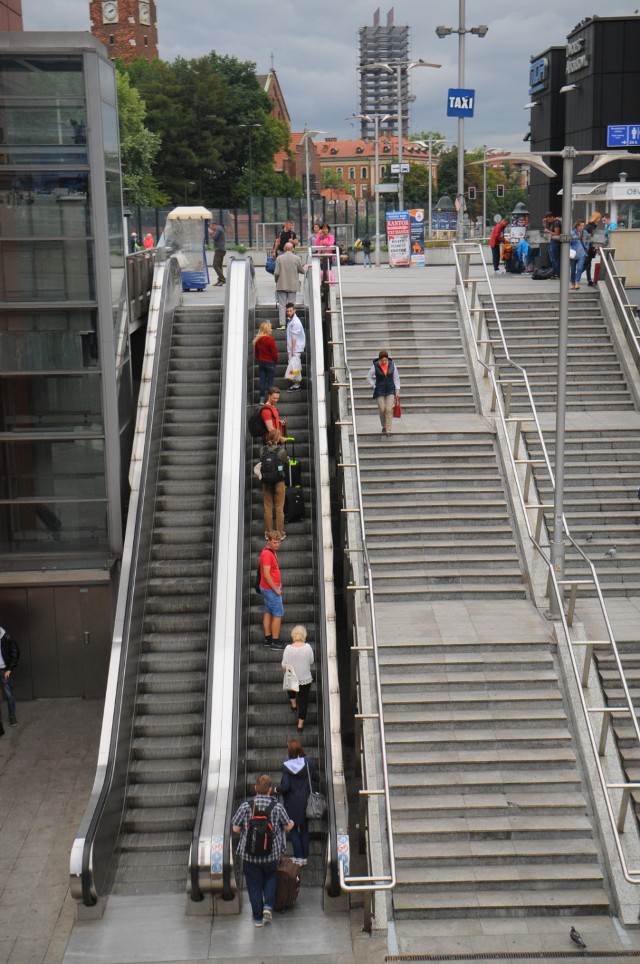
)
(306, 135)
(398, 66)
(250, 127)
(462, 30)
(377, 120)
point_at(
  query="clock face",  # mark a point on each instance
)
(144, 13)
(109, 11)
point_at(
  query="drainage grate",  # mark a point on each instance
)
(520, 956)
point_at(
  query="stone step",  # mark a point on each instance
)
(506, 903)
(493, 852)
(497, 878)
(464, 804)
(499, 779)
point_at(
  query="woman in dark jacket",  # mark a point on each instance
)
(294, 787)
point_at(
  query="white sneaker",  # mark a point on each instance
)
(267, 915)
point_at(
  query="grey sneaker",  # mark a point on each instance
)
(267, 915)
(13, 721)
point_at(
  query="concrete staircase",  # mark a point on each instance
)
(601, 502)
(165, 767)
(271, 724)
(437, 518)
(422, 334)
(595, 378)
(488, 813)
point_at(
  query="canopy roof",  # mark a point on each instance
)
(195, 213)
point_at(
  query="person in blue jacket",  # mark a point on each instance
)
(299, 773)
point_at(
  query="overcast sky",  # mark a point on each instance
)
(315, 52)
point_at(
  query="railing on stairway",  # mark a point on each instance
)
(617, 795)
(626, 312)
(373, 753)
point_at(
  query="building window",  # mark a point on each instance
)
(339, 171)
(146, 41)
(364, 191)
(364, 173)
(112, 39)
(352, 173)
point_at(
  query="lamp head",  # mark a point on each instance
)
(481, 31)
(444, 31)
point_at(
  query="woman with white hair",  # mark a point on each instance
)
(298, 656)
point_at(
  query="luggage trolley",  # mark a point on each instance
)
(185, 236)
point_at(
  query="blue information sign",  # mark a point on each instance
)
(460, 102)
(623, 135)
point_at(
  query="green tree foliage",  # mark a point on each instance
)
(507, 174)
(331, 179)
(138, 147)
(196, 107)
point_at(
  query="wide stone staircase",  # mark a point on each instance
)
(490, 818)
(595, 377)
(165, 767)
(270, 722)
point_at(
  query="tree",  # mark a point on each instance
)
(197, 107)
(334, 181)
(138, 146)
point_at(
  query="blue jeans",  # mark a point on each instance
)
(366, 256)
(554, 256)
(267, 373)
(299, 836)
(7, 686)
(577, 267)
(261, 882)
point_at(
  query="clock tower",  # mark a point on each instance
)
(127, 28)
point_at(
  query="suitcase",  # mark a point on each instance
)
(293, 471)
(293, 504)
(287, 884)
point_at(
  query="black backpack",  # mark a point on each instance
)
(255, 424)
(260, 832)
(271, 470)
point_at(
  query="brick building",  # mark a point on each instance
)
(127, 28)
(354, 161)
(11, 15)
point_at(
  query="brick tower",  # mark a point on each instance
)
(127, 28)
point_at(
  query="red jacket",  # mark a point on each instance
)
(497, 235)
(265, 349)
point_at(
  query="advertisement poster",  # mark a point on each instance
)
(417, 237)
(399, 238)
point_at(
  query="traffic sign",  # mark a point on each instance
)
(386, 188)
(623, 135)
(402, 168)
(460, 102)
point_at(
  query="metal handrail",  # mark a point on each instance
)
(370, 882)
(625, 311)
(463, 253)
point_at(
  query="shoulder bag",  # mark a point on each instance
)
(316, 803)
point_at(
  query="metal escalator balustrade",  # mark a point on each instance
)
(626, 312)
(616, 795)
(376, 823)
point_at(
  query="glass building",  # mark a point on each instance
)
(65, 371)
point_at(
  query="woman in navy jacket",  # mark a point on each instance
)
(294, 787)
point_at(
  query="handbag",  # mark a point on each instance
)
(573, 254)
(316, 803)
(397, 408)
(270, 264)
(290, 680)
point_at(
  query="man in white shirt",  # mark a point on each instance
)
(296, 339)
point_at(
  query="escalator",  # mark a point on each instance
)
(136, 832)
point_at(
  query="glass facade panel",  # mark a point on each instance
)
(46, 403)
(48, 469)
(47, 271)
(628, 214)
(48, 340)
(44, 204)
(110, 137)
(46, 132)
(107, 82)
(41, 75)
(34, 526)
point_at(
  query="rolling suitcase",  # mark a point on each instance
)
(293, 471)
(287, 884)
(293, 504)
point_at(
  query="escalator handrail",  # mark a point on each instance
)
(83, 870)
(333, 767)
(211, 842)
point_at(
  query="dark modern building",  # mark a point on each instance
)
(576, 92)
(66, 405)
(379, 88)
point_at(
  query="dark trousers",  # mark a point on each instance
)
(302, 697)
(7, 686)
(261, 880)
(267, 374)
(495, 255)
(218, 258)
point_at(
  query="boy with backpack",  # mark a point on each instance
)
(262, 825)
(274, 459)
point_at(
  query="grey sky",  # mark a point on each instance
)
(315, 51)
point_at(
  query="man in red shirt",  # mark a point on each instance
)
(271, 417)
(271, 589)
